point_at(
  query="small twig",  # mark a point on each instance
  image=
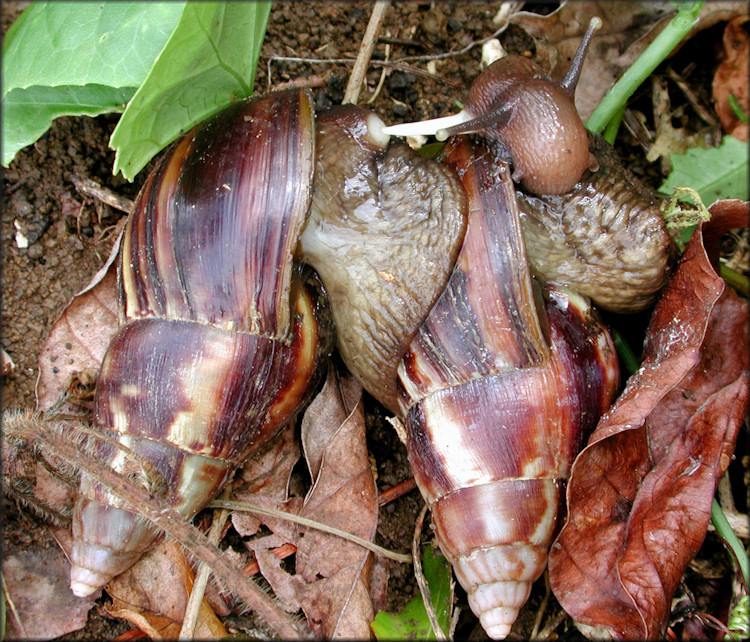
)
(713, 622)
(90, 188)
(397, 491)
(282, 552)
(304, 521)
(702, 112)
(375, 63)
(424, 589)
(383, 74)
(192, 610)
(552, 624)
(451, 54)
(353, 87)
(12, 606)
(542, 608)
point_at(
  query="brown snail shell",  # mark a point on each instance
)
(498, 396)
(220, 336)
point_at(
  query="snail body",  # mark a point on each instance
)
(384, 231)
(221, 335)
(533, 120)
(588, 222)
(605, 238)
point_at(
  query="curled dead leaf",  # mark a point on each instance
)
(639, 497)
(143, 597)
(731, 79)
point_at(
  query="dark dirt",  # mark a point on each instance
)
(70, 235)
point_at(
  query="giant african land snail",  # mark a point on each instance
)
(588, 222)
(221, 335)
(439, 320)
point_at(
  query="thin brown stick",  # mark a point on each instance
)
(542, 607)
(384, 72)
(396, 491)
(311, 523)
(12, 606)
(168, 520)
(192, 610)
(375, 63)
(90, 188)
(282, 552)
(353, 87)
(699, 109)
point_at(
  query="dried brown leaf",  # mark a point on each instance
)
(640, 494)
(155, 593)
(265, 480)
(731, 78)
(37, 581)
(333, 575)
(80, 336)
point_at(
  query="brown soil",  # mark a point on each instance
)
(70, 235)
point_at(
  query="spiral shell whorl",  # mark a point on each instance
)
(496, 408)
(221, 334)
(498, 557)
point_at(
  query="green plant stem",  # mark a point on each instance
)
(655, 53)
(724, 530)
(738, 281)
(613, 126)
(624, 350)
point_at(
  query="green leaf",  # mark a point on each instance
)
(28, 113)
(412, 622)
(209, 61)
(83, 43)
(75, 59)
(715, 173)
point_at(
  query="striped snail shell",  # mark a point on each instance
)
(498, 380)
(499, 391)
(221, 335)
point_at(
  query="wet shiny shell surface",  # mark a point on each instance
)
(197, 247)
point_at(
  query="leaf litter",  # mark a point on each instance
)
(645, 483)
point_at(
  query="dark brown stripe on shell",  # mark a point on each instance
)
(486, 320)
(206, 390)
(214, 241)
